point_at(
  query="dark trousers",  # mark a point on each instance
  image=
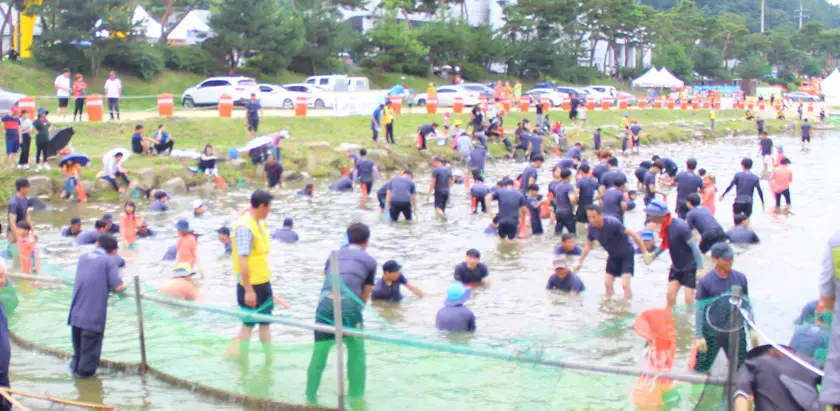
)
(400, 207)
(113, 180)
(23, 159)
(715, 341)
(742, 208)
(87, 348)
(786, 194)
(79, 108)
(40, 150)
(368, 186)
(114, 106)
(440, 200)
(389, 133)
(565, 220)
(161, 147)
(479, 201)
(356, 370)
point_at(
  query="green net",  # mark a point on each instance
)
(386, 369)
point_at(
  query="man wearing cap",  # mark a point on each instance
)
(649, 239)
(745, 183)
(613, 237)
(159, 204)
(254, 114)
(251, 247)
(388, 287)
(357, 271)
(715, 283)
(688, 182)
(675, 235)
(187, 246)
(401, 196)
(512, 206)
(90, 236)
(441, 184)
(74, 229)
(198, 208)
(223, 234)
(110, 227)
(454, 316)
(563, 279)
(181, 285)
(701, 219)
(286, 234)
(96, 276)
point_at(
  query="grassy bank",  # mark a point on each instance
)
(316, 144)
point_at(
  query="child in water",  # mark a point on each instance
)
(709, 192)
(534, 201)
(129, 224)
(30, 262)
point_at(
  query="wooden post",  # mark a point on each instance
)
(137, 297)
(339, 326)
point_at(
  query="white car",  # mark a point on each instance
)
(554, 96)
(598, 94)
(274, 96)
(8, 99)
(207, 92)
(318, 97)
(446, 96)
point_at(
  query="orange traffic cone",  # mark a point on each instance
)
(523, 228)
(80, 193)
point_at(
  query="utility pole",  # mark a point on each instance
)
(801, 14)
(762, 14)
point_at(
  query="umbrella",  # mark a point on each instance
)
(109, 156)
(79, 159)
(446, 67)
(256, 143)
(58, 140)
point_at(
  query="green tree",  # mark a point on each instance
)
(325, 36)
(674, 57)
(731, 38)
(708, 62)
(618, 22)
(258, 30)
(393, 46)
(754, 65)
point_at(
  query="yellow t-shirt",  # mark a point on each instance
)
(387, 115)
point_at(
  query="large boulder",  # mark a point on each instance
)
(377, 153)
(89, 187)
(101, 185)
(205, 189)
(40, 186)
(349, 146)
(237, 164)
(293, 176)
(176, 185)
(146, 178)
(318, 144)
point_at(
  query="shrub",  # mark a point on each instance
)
(191, 59)
(142, 59)
(59, 56)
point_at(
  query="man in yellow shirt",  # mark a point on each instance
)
(431, 92)
(388, 122)
(517, 92)
(250, 248)
(712, 118)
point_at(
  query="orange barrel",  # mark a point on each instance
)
(590, 103)
(301, 105)
(658, 103)
(761, 106)
(810, 107)
(716, 105)
(94, 107)
(507, 104)
(458, 106)
(622, 104)
(778, 107)
(28, 103)
(670, 104)
(567, 103)
(606, 104)
(750, 105)
(546, 104)
(643, 103)
(706, 104)
(165, 105)
(225, 106)
(431, 105)
(524, 104)
(683, 104)
(396, 103)
(695, 104)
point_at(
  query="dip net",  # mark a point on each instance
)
(190, 346)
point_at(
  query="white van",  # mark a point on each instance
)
(358, 84)
(339, 82)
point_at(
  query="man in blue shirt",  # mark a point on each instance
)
(96, 277)
(613, 237)
(74, 229)
(343, 184)
(564, 196)
(670, 168)
(701, 219)
(613, 201)
(365, 169)
(742, 233)
(531, 173)
(479, 191)
(18, 209)
(388, 287)
(563, 279)
(286, 234)
(376, 122)
(357, 270)
(163, 141)
(687, 183)
(745, 182)
(608, 178)
(568, 247)
(159, 204)
(649, 181)
(253, 115)
(454, 317)
(223, 234)
(401, 196)
(472, 272)
(90, 237)
(140, 144)
(478, 155)
(683, 272)
(512, 206)
(806, 133)
(441, 184)
(382, 196)
(587, 186)
(715, 283)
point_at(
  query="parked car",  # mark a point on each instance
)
(546, 84)
(579, 92)
(599, 95)
(208, 92)
(606, 90)
(479, 88)
(631, 99)
(8, 99)
(555, 97)
(274, 96)
(339, 82)
(801, 96)
(446, 96)
(318, 97)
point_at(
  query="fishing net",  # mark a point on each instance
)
(387, 368)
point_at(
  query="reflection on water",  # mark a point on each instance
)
(516, 307)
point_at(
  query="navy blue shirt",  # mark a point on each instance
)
(442, 176)
(565, 163)
(587, 187)
(612, 236)
(682, 255)
(571, 284)
(701, 219)
(455, 319)
(253, 110)
(467, 276)
(344, 184)
(536, 143)
(599, 170)
(613, 198)
(608, 178)
(67, 233)
(286, 235)
(687, 183)
(574, 151)
(356, 268)
(766, 146)
(561, 191)
(742, 235)
(711, 285)
(640, 173)
(670, 165)
(376, 120)
(158, 205)
(562, 251)
(480, 190)
(170, 253)
(745, 183)
(760, 124)
(383, 291)
(477, 157)
(383, 191)
(401, 189)
(87, 237)
(136, 138)
(365, 170)
(635, 129)
(510, 201)
(19, 207)
(96, 276)
(148, 233)
(806, 130)
(527, 174)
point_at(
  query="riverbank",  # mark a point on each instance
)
(318, 146)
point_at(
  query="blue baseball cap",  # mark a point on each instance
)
(457, 294)
(182, 225)
(646, 235)
(657, 208)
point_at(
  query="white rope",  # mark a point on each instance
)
(781, 349)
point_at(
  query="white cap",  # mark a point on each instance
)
(198, 204)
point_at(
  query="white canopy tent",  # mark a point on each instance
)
(669, 80)
(191, 30)
(647, 79)
(831, 87)
(147, 26)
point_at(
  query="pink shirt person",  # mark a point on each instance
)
(709, 193)
(781, 177)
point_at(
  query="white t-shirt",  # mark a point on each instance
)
(62, 86)
(113, 88)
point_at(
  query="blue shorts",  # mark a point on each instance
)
(12, 144)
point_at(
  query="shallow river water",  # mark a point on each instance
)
(782, 271)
